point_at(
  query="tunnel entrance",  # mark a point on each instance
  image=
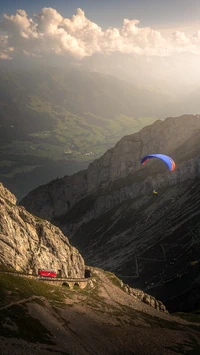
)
(87, 273)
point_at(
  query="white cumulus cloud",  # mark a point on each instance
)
(48, 32)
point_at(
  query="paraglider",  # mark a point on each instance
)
(167, 160)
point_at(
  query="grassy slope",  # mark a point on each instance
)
(89, 321)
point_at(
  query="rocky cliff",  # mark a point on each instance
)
(28, 243)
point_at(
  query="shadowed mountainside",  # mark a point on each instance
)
(112, 217)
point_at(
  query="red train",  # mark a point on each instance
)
(47, 273)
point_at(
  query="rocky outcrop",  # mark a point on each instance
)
(28, 243)
(146, 298)
(7, 195)
(111, 278)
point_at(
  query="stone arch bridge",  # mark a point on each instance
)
(82, 283)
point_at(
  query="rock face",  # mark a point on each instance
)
(146, 298)
(28, 243)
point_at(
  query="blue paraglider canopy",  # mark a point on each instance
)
(168, 161)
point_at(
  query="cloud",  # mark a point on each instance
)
(49, 33)
(5, 50)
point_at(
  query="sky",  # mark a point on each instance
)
(158, 13)
(81, 28)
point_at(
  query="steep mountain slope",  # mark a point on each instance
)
(42, 319)
(28, 243)
(112, 217)
(70, 116)
(151, 244)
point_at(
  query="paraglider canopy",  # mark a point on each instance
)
(168, 161)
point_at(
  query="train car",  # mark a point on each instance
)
(47, 273)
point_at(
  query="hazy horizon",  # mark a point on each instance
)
(145, 44)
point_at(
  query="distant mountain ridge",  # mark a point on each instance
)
(158, 73)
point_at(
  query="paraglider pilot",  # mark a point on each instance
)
(165, 158)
